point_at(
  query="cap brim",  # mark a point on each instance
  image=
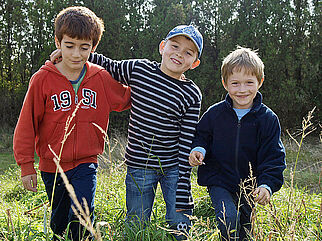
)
(186, 35)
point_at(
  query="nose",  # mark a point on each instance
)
(76, 52)
(242, 88)
(179, 53)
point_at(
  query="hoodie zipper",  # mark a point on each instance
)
(75, 129)
(237, 148)
(76, 118)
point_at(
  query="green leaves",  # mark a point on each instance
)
(286, 36)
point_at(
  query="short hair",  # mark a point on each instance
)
(242, 58)
(79, 22)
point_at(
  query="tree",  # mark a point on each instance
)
(286, 34)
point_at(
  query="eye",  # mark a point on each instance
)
(189, 53)
(174, 46)
(84, 49)
(69, 46)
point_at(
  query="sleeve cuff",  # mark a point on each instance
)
(267, 187)
(90, 58)
(200, 149)
(27, 169)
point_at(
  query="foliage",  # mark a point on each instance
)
(286, 34)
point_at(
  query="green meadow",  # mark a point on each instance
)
(294, 212)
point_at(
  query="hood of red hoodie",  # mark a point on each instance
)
(92, 69)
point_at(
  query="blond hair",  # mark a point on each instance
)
(243, 58)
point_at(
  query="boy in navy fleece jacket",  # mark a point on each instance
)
(233, 135)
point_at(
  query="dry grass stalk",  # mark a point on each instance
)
(288, 227)
(68, 131)
(110, 149)
(275, 215)
(176, 232)
(35, 208)
(224, 221)
(195, 231)
(106, 139)
(9, 221)
(82, 215)
(247, 187)
(307, 128)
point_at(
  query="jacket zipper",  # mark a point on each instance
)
(237, 148)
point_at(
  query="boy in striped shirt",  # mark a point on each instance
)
(164, 113)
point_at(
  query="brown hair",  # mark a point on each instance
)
(80, 23)
(243, 58)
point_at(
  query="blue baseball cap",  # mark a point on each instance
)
(190, 32)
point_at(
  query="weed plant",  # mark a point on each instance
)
(294, 213)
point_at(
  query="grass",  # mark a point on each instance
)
(7, 162)
(293, 214)
(309, 164)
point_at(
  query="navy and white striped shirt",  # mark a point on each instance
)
(163, 117)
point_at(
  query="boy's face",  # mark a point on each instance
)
(178, 55)
(242, 88)
(75, 52)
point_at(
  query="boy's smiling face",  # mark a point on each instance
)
(242, 88)
(75, 52)
(178, 55)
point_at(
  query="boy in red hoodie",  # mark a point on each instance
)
(53, 94)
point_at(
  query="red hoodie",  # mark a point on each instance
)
(50, 99)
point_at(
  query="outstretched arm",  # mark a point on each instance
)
(119, 70)
(188, 125)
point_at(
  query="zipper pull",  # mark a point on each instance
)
(76, 99)
(239, 124)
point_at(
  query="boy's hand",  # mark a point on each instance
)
(262, 195)
(55, 56)
(196, 158)
(30, 182)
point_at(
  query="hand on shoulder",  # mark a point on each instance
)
(55, 56)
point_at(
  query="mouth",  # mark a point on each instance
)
(76, 62)
(242, 96)
(175, 61)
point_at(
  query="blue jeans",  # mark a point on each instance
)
(234, 218)
(141, 185)
(83, 180)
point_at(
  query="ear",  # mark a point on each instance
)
(224, 84)
(94, 48)
(161, 47)
(57, 43)
(261, 83)
(195, 64)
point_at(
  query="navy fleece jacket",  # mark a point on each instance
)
(232, 144)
